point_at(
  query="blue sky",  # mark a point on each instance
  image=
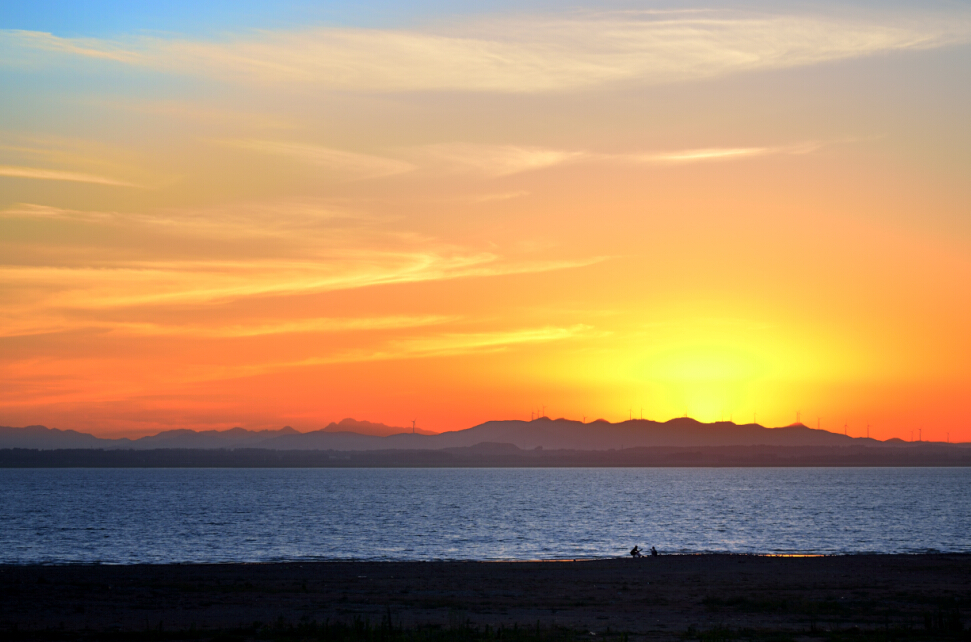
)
(105, 18)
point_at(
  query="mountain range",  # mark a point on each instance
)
(542, 433)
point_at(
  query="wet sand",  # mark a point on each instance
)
(652, 598)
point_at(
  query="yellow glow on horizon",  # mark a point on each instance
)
(702, 364)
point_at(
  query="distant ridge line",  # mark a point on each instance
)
(540, 433)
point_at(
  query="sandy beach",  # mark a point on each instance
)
(663, 598)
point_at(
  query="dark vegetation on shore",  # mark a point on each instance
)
(493, 456)
(386, 631)
(692, 597)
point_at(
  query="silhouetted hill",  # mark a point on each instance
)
(549, 434)
(602, 435)
(44, 438)
(232, 438)
(369, 428)
(545, 433)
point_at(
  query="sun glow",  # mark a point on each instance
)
(698, 365)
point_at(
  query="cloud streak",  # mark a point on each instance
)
(311, 252)
(717, 154)
(491, 160)
(348, 165)
(445, 345)
(126, 284)
(12, 328)
(505, 160)
(58, 175)
(461, 343)
(525, 54)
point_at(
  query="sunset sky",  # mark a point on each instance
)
(265, 214)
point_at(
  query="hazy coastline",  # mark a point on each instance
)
(543, 442)
(488, 455)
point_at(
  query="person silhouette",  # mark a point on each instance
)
(635, 552)
(654, 552)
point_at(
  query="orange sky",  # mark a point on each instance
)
(456, 218)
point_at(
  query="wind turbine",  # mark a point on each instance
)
(413, 426)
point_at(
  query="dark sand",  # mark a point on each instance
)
(651, 598)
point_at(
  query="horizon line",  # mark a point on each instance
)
(797, 424)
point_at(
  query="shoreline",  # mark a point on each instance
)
(502, 455)
(658, 598)
(455, 560)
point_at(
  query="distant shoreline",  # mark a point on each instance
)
(925, 455)
(578, 560)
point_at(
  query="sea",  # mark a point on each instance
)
(129, 516)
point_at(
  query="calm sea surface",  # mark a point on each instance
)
(213, 515)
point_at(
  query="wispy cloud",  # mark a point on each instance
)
(505, 160)
(121, 283)
(490, 198)
(444, 345)
(523, 54)
(131, 283)
(12, 327)
(701, 155)
(491, 160)
(58, 175)
(480, 159)
(84, 47)
(430, 346)
(309, 326)
(307, 253)
(347, 165)
(295, 222)
(717, 154)
(461, 343)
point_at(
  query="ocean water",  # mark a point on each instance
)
(253, 515)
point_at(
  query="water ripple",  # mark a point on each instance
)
(219, 515)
